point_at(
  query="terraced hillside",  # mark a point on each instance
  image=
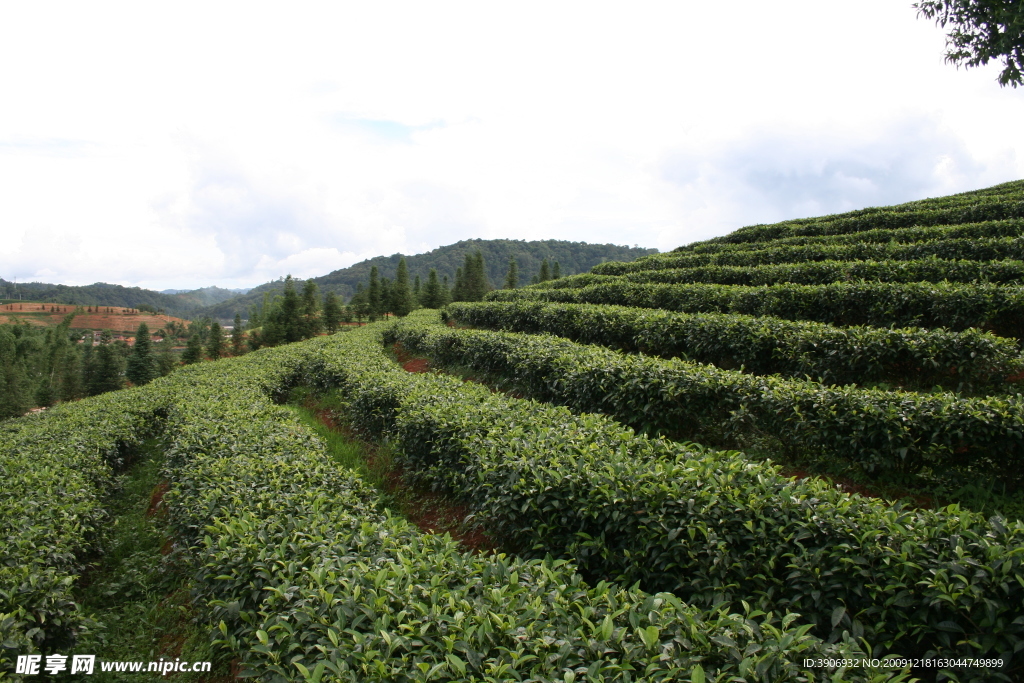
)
(631, 448)
(881, 345)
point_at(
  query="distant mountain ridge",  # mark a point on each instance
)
(182, 304)
(572, 257)
(217, 302)
(236, 290)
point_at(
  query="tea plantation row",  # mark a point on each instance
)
(920, 233)
(815, 273)
(876, 429)
(710, 526)
(1002, 202)
(882, 304)
(972, 249)
(971, 361)
(305, 577)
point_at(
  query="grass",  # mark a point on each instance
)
(137, 590)
(375, 462)
(323, 414)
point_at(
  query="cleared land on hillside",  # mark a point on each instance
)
(116, 320)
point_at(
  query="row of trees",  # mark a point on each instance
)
(39, 367)
(380, 296)
(293, 316)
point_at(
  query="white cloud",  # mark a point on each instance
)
(196, 143)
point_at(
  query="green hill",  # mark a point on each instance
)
(573, 257)
(183, 304)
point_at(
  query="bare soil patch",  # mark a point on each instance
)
(113, 318)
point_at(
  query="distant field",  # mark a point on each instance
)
(50, 315)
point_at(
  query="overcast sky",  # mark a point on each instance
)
(191, 144)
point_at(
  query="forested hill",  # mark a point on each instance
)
(572, 257)
(183, 304)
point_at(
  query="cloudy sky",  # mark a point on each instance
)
(223, 143)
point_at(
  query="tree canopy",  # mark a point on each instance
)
(980, 31)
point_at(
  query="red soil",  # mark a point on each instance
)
(430, 512)
(118, 320)
(156, 501)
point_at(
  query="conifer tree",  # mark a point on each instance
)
(446, 292)
(88, 363)
(290, 313)
(13, 382)
(215, 341)
(512, 278)
(107, 366)
(193, 350)
(237, 336)
(360, 302)
(165, 361)
(401, 297)
(311, 323)
(432, 297)
(272, 332)
(556, 271)
(332, 312)
(474, 277)
(545, 272)
(141, 366)
(57, 382)
(71, 382)
(373, 296)
(386, 302)
(458, 289)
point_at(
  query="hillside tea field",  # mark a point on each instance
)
(637, 440)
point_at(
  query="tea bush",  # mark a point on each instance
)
(912, 357)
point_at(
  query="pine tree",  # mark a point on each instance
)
(459, 286)
(311, 323)
(193, 350)
(13, 383)
(237, 336)
(290, 316)
(165, 361)
(215, 341)
(71, 382)
(387, 296)
(332, 312)
(446, 293)
(107, 367)
(432, 297)
(59, 383)
(556, 271)
(512, 278)
(141, 366)
(373, 296)
(401, 297)
(545, 272)
(474, 278)
(88, 363)
(360, 302)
